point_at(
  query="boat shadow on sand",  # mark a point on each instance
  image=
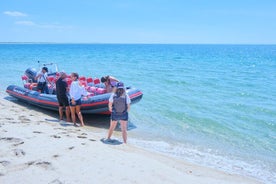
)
(92, 120)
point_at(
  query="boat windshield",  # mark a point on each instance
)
(52, 67)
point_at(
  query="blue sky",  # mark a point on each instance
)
(139, 21)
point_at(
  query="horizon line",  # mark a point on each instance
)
(137, 43)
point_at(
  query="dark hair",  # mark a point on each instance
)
(104, 79)
(75, 75)
(45, 68)
(120, 92)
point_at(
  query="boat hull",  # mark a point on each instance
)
(97, 104)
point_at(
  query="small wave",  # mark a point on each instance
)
(264, 172)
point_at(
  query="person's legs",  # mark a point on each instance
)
(79, 114)
(60, 110)
(73, 114)
(124, 130)
(113, 125)
(67, 112)
(46, 89)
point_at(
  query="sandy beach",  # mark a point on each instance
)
(36, 148)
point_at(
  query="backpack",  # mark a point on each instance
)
(119, 104)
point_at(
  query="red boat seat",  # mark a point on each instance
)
(51, 79)
(82, 78)
(89, 80)
(97, 81)
(83, 83)
(57, 75)
(24, 77)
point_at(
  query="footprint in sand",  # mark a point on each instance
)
(19, 152)
(56, 136)
(43, 164)
(81, 137)
(23, 119)
(12, 140)
(9, 118)
(5, 163)
(60, 129)
(55, 156)
(30, 163)
(56, 181)
(37, 132)
(16, 141)
(16, 144)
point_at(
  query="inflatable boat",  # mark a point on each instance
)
(95, 103)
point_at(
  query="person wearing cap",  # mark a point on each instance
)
(61, 91)
(109, 82)
(41, 78)
(119, 106)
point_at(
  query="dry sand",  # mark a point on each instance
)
(35, 148)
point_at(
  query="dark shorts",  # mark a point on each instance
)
(41, 85)
(119, 116)
(77, 102)
(63, 101)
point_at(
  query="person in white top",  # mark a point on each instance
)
(76, 92)
(41, 78)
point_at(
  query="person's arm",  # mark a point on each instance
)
(71, 93)
(67, 87)
(110, 106)
(111, 78)
(45, 75)
(38, 76)
(110, 103)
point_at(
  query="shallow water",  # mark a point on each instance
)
(214, 105)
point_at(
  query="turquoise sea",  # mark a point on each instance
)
(213, 105)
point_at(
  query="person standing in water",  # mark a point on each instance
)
(119, 106)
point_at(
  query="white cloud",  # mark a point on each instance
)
(25, 23)
(43, 26)
(15, 14)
